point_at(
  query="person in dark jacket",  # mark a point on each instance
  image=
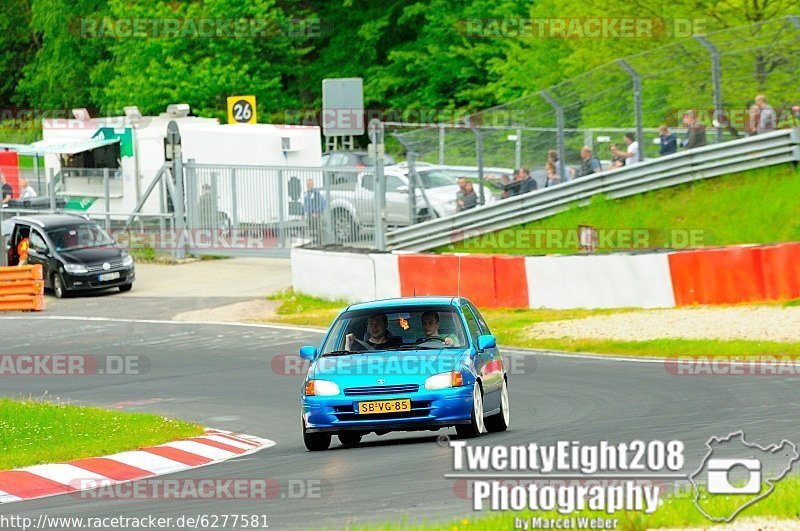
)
(589, 163)
(527, 184)
(469, 199)
(668, 141)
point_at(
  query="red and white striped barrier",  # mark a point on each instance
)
(39, 481)
(725, 275)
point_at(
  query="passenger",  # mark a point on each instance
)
(379, 336)
(430, 327)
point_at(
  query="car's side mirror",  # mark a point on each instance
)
(308, 352)
(486, 341)
(403, 189)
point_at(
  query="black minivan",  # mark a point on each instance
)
(75, 252)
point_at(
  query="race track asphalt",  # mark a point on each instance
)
(223, 377)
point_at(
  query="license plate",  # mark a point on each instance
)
(108, 276)
(383, 406)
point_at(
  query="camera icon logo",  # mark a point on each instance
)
(719, 476)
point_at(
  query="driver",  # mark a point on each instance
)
(379, 335)
(430, 326)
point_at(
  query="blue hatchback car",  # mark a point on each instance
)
(408, 364)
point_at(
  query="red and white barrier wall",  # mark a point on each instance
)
(724, 275)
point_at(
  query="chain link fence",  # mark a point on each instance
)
(715, 78)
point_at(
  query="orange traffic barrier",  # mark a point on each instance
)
(717, 276)
(510, 282)
(781, 267)
(21, 288)
(448, 275)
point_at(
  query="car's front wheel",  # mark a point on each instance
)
(316, 442)
(499, 422)
(476, 425)
(59, 289)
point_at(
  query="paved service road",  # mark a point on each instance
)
(222, 376)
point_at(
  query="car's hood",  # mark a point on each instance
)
(364, 369)
(92, 255)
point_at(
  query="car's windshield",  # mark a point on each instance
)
(435, 179)
(79, 237)
(433, 327)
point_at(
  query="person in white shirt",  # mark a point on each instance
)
(26, 191)
(631, 155)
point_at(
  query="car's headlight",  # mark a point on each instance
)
(443, 380)
(321, 388)
(75, 268)
(127, 261)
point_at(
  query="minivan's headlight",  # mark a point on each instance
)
(443, 380)
(75, 268)
(321, 388)
(127, 261)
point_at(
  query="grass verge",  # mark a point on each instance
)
(676, 512)
(734, 209)
(33, 432)
(510, 327)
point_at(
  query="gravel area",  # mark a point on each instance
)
(770, 323)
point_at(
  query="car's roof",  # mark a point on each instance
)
(53, 220)
(407, 302)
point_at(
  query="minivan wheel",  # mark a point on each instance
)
(58, 287)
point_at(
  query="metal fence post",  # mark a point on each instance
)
(411, 158)
(282, 214)
(52, 190)
(107, 196)
(376, 136)
(441, 143)
(177, 205)
(588, 139)
(518, 150)
(215, 210)
(716, 80)
(559, 110)
(479, 152)
(637, 105)
(234, 202)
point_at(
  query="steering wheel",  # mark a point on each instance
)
(429, 338)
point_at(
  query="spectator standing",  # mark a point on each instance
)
(552, 157)
(589, 163)
(526, 183)
(695, 131)
(631, 153)
(7, 193)
(314, 207)
(505, 181)
(26, 191)
(469, 199)
(668, 142)
(553, 178)
(767, 119)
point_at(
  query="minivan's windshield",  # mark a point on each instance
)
(418, 328)
(81, 236)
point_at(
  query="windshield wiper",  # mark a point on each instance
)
(340, 353)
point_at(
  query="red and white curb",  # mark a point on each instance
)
(39, 481)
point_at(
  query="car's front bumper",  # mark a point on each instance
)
(90, 281)
(429, 410)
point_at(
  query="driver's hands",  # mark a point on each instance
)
(448, 341)
(348, 341)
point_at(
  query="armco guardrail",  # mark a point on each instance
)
(776, 147)
(21, 288)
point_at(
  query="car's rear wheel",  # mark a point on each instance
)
(59, 288)
(316, 442)
(125, 287)
(499, 422)
(476, 425)
(349, 438)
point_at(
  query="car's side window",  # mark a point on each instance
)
(472, 324)
(393, 183)
(480, 319)
(37, 242)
